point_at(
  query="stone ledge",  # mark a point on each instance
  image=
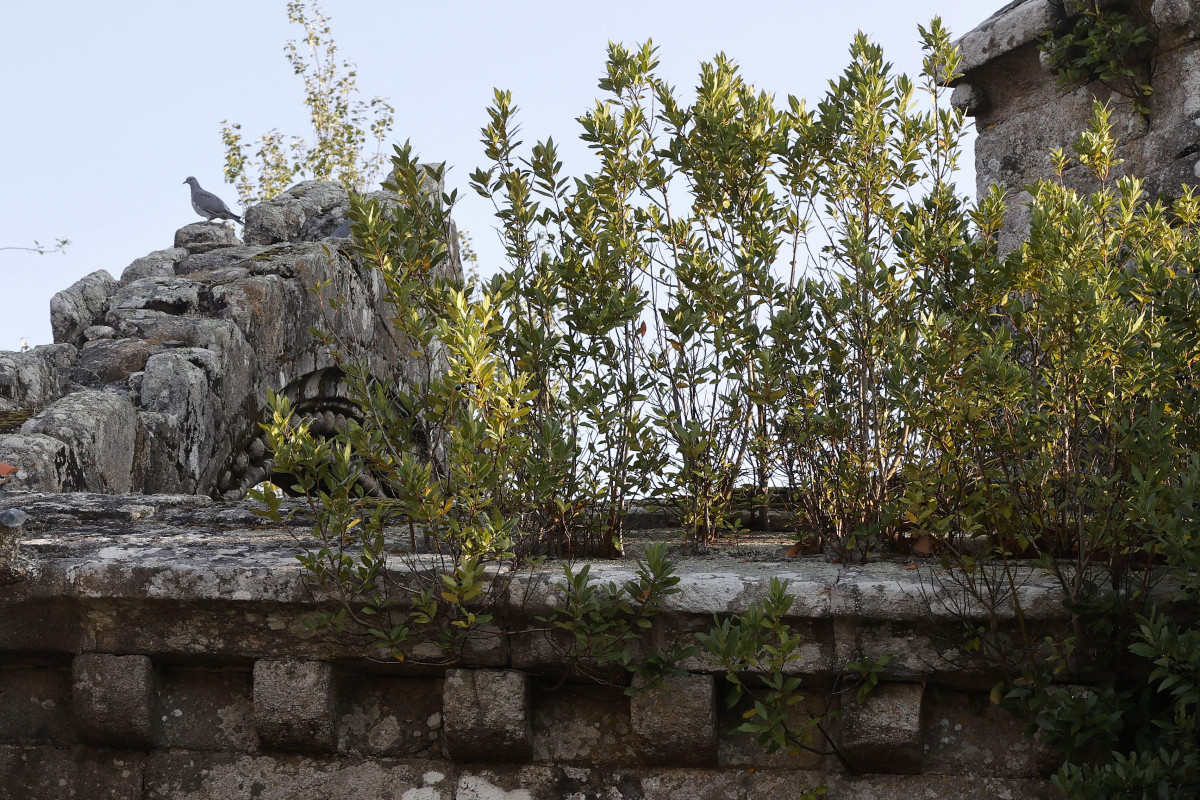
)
(487, 715)
(1016, 24)
(173, 576)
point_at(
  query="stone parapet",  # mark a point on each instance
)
(158, 649)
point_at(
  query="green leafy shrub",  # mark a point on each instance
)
(901, 379)
(608, 626)
(1061, 404)
(428, 471)
(896, 231)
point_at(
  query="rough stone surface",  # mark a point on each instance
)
(212, 604)
(200, 237)
(395, 717)
(677, 723)
(308, 211)
(1014, 25)
(172, 295)
(114, 360)
(582, 725)
(1174, 13)
(295, 704)
(206, 709)
(937, 787)
(159, 264)
(179, 385)
(46, 464)
(50, 773)
(114, 699)
(100, 429)
(195, 335)
(35, 378)
(96, 332)
(971, 99)
(228, 776)
(964, 736)
(884, 733)
(487, 715)
(80, 306)
(13, 566)
(35, 706)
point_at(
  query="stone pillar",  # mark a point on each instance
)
(677, 724)
(884, 733)
(487, 715)
(295, 704)
(114, 699)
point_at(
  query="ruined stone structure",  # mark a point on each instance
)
(1022, 113)
(157, 381)
(152, 636)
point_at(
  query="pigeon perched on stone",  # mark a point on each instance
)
(208, 205)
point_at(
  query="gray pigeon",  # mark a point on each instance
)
(208, 205)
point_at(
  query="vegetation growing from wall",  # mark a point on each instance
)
(1092, 42)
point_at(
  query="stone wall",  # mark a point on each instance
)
(157, 649)
(1021, 112)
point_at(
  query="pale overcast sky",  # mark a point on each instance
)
(107, 107)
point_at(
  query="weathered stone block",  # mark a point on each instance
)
(677, 723)
(35, 706)
(80, 306)
(582, 725)
(936, 787)
(200, 237)
(13, 566)
(307, 211)
(114, 699)
(966, 738)
(159, 264)
(114, 360)
(487, 715)
(386, 716)
(972, 100)
(170, 294)
(101, 429)
(883, 734)
(34, 379)
(295, 704)
(1172, 13)
(155, 466)
(182, 775)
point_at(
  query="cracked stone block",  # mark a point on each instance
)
(677, 723)
(883, 735)
(200, 237)
(294, 705)
(114, 698)
(487, 715)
